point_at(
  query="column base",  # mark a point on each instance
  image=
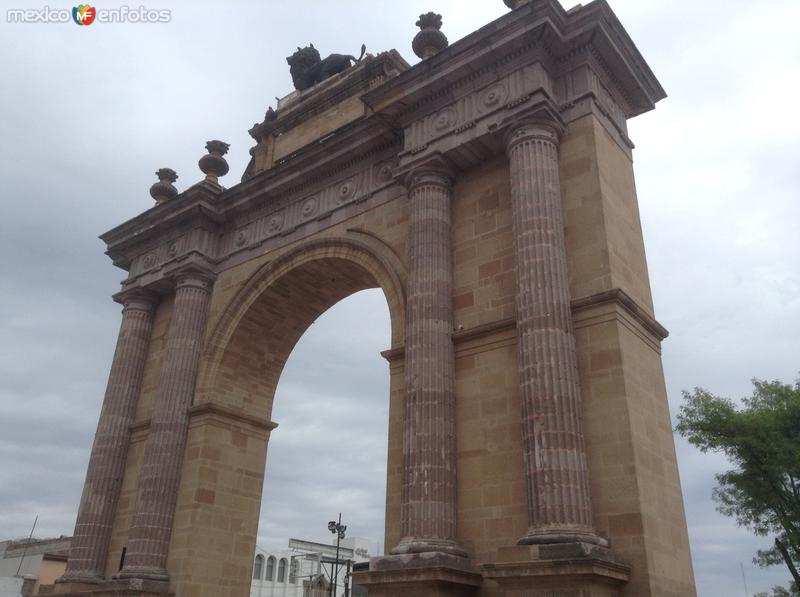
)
(144, 573)
(410, 545)
(113, 588)
(561, 534)
(84, 578)
(568, 569)
(431, 574)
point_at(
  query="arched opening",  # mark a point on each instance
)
(258, 567)
(270, 568)
(329, 452)
(253, 335)
(282, 570)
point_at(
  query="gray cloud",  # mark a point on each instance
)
(88, 114)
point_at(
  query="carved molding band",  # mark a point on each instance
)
(620, 297)
(615, 296)
(215, 409)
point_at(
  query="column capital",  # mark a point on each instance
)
(428, 176)
(137, 299)
(430, 170)
(527, 129)
(193, 277)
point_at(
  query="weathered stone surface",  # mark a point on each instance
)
(419, 574)
(117, 588)
(506, 273)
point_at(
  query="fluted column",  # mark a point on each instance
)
(92, 536)
(428, 510)
(159, 476)
(559, 504)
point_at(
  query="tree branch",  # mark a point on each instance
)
(788, 559)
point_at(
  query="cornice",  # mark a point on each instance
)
(622, 298)
(355, 147)
(543, 27)
(217, 410)
(455, 70)
(175, 216)
(314, 164)
(456, 105)
(597, 23)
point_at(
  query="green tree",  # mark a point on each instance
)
(761, 439)
(781, 592)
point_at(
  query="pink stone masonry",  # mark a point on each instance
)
(559, 504)
(90, 542)
(159, 480)
(428, 510)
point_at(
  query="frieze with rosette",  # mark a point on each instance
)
(198, 240)
(465, 112)
(306, 208)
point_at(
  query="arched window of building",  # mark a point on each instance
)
(258, 567)
(270, 568)
(282, 570)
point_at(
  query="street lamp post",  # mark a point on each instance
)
(338, 529)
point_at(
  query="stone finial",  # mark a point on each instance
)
(513, 4)
(213, 165)
(164, 189)
(270, 115)
(430, 40)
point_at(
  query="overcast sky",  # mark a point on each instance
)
(87, 114)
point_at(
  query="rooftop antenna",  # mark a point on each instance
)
(744, 580)
(22, 559)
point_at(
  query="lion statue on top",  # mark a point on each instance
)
(307, 68)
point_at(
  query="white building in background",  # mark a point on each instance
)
(27, 563)
(296, 570)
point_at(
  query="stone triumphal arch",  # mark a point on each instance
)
(488, 191)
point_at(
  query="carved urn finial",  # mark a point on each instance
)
(213, 165)
(512, 4)
(429, 40)
(164, 189)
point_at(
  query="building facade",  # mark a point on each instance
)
(302, 571)
(25, 565)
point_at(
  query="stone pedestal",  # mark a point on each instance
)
(419, 575)
(562, 570)
(115, 588)
(90, 541)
